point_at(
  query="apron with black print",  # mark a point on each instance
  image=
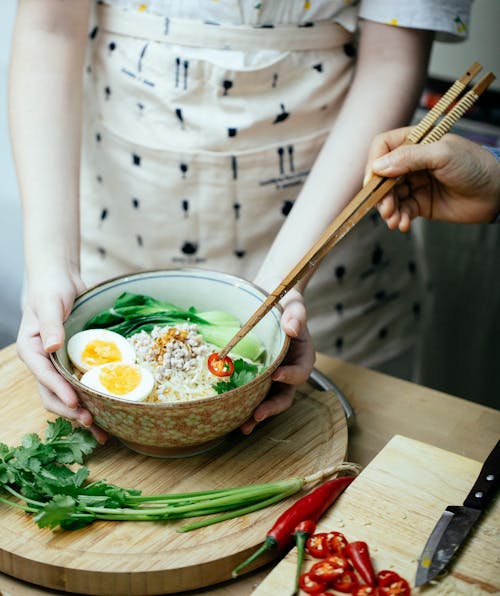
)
(197, 141)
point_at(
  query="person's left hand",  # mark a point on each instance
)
(295, 368)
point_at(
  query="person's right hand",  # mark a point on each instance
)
(452, 179)
(49, 302)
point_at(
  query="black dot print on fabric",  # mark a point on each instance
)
(350, 50)
(98, 137)
(339, 343)
(226, 85)
(382, 334)
(416, 310)
(99, 179)
(102, 252)
(318, 67)
(94, 32)
(275, 80)
(136, 159)
(307, 24)
(340, 272)
(139, 240)
(104, 214)
(232, 132)
(286, 207)
(339, 307)
(239, 253)
(107, 91)
(380, 296)
(282, 116)
(237, 208)
(180, 117)
(412, 267)
(185, 206)
(135, 203)
(112, 46)
(281, 153)
(183, 167)
(290, 158)
(89, 69)
(189, 248)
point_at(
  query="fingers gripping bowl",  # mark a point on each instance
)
(181, 427)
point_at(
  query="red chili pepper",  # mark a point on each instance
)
(359, 555)
(302, 532)
(220, 367)
(309, 507)
(365, 591)
(317, 545)
(336, 543)
(310, 585)
(325, 571)
(385, 577)
(347, 582)
(400, 587)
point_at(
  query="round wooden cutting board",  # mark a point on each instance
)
(140, 558)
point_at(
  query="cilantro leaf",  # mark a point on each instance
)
(243, 373)
(56, 511)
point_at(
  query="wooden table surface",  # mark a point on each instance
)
(384, 406)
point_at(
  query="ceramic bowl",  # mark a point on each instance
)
(181, 428)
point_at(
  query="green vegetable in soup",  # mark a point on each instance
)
(132, 313)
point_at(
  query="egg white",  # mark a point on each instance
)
(93, 379)
(120, 348)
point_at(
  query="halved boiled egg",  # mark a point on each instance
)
(94, 347)
(120, 379)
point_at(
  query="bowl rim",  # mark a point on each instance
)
(61, 369)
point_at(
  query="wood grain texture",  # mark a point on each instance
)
(394, 504)
(151, 557)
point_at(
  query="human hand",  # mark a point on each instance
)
(50, 299)
(452, 179)
(296, 367)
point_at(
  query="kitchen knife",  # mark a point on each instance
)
(456, 522)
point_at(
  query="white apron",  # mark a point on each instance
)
(197, 140)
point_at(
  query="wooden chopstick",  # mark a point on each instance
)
(375, 189)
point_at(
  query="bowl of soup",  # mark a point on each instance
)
(141, 352)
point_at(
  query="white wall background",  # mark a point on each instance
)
(461, 348)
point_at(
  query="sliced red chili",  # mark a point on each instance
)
(324, 571)
(385, 577)
(400, 587)
(220, 367)
(346, 582)
(336, 543)
(316, 545)
(310, 585)
(339, 562)
(365, 591)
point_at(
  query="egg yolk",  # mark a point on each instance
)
(99, 352)
(120, 379)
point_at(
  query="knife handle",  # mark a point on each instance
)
(487, 482)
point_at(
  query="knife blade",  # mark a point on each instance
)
(457, 521)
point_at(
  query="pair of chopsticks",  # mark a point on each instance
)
(428, 130)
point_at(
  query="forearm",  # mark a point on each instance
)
(387, 83)
(45, 99)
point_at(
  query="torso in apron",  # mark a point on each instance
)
(194, 157)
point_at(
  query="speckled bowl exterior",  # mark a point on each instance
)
(181, 428)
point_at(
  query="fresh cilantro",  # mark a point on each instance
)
(37, 474)
(243, 373)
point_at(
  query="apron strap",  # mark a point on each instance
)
(314, 36)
